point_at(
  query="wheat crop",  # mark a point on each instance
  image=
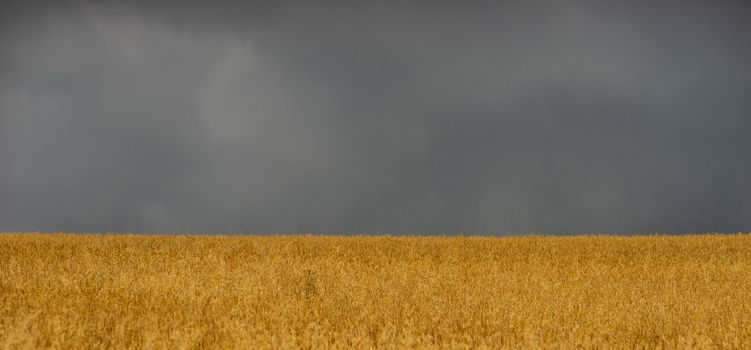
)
(138, 291)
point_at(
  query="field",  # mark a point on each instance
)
(129, 291)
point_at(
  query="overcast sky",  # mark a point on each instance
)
(401, 117)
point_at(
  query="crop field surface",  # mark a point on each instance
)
(251, 292)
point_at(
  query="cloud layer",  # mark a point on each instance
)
(490, 117)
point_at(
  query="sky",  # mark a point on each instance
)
(377, 117)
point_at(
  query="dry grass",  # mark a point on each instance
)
(75, 291)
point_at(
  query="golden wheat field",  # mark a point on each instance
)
(131, 291)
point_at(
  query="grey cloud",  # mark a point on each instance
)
(489, 117)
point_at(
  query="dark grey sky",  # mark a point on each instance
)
(416, 117)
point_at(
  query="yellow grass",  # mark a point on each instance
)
(74, 291)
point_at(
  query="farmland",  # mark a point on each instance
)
(233, 291)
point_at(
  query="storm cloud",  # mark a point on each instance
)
(418, 117)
